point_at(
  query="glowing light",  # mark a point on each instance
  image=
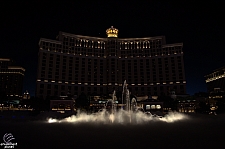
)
(4, 59)
(14, 67)
(112, 32)
(52, 120)
(158, 106)
(215, 78)
(13, 72)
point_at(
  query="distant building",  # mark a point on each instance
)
(11, 79)
(62, 104)
(216, 80)
(98, 66)
(187, 106)
(215, 83)
(151, 105)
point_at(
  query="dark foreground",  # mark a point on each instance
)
(200, 131)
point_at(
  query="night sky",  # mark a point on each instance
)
(200, 26)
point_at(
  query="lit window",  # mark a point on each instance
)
(158, 106)
(152, 106)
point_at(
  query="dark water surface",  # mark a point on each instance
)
(200, 131)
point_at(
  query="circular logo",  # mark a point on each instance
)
(8, 137)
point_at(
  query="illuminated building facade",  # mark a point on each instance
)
(93, 65)
(11, 79)
(151, 106)
(187, 106)
(216, 80)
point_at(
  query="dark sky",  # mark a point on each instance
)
(200, 26)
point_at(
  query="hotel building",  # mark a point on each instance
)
(75, 63)
(11, 79)
(216, 80)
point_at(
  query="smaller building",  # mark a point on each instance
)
(62, 104)
(152, 106)
(217, 93)
(11, 80)
(216, 100)
(187, 106)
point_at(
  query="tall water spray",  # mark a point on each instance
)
(125, 94)
(112, 102)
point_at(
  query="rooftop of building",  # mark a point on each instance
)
(58, 40)
(10, 66)
(4, 59)
(221, 69)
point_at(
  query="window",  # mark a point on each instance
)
(42, 86)
(158, 106)
(152, 106)
(49, 86)
(147, 107)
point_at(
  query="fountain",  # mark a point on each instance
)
(128, 105)
(112, 103)
(127, 114)
(131, 104)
